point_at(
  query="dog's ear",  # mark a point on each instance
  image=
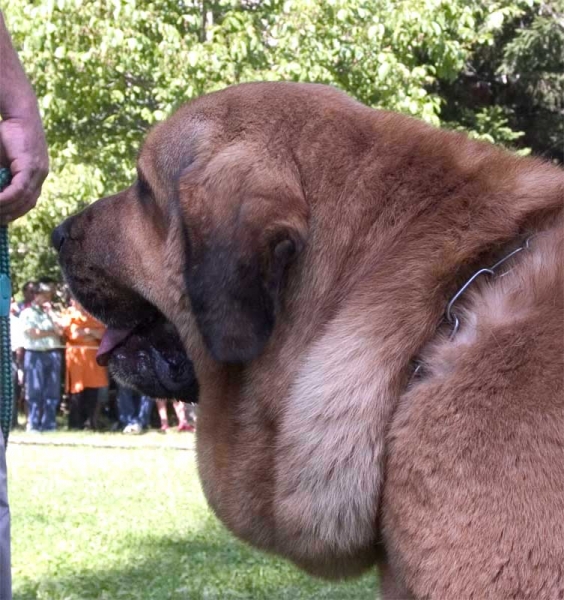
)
(245, 222)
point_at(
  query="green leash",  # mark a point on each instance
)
(7, 384)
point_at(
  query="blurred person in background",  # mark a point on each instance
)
(51, 285)
(83, 376)
(134, 410)
(28, 291)
(180, 410)
(42, 362)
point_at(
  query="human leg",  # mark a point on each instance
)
(180, 412)
(52, 391)
(5, 567)
(75, 412)
(145, 408)
(180, 409)
(163, 415)
(90, 403)
(33, 371)
(126, 406)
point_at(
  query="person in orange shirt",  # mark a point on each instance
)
(83, 375)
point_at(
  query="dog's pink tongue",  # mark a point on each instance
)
(110, 340)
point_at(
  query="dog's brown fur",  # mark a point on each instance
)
(480, 502)
(359, 224)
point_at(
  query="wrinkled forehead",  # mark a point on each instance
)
(197, 129)
(172, 146)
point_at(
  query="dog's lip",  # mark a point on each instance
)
(111, 339)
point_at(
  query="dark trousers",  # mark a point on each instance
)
(82, 409)
(42, 387)
(133, 408)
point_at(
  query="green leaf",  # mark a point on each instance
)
(495, 20)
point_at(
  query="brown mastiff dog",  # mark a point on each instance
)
(303, 249)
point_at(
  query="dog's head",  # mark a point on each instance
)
(206, 231)
(208, 274)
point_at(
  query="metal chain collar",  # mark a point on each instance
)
(450, 315)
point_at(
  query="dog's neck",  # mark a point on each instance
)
(452, 318)
(299, 434)
(418, 212)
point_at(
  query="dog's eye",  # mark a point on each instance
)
(284, 250)
(143, 188)
(144, 191)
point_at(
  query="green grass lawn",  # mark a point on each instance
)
(115, 523)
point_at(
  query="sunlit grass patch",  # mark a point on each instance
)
(110, 524)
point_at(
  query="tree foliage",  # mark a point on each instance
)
(106, 70)
(513, 88)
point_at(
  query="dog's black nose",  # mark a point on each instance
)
(59, 235)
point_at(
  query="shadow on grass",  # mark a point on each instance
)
(211, 565)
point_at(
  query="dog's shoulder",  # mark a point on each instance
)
(477, 506)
